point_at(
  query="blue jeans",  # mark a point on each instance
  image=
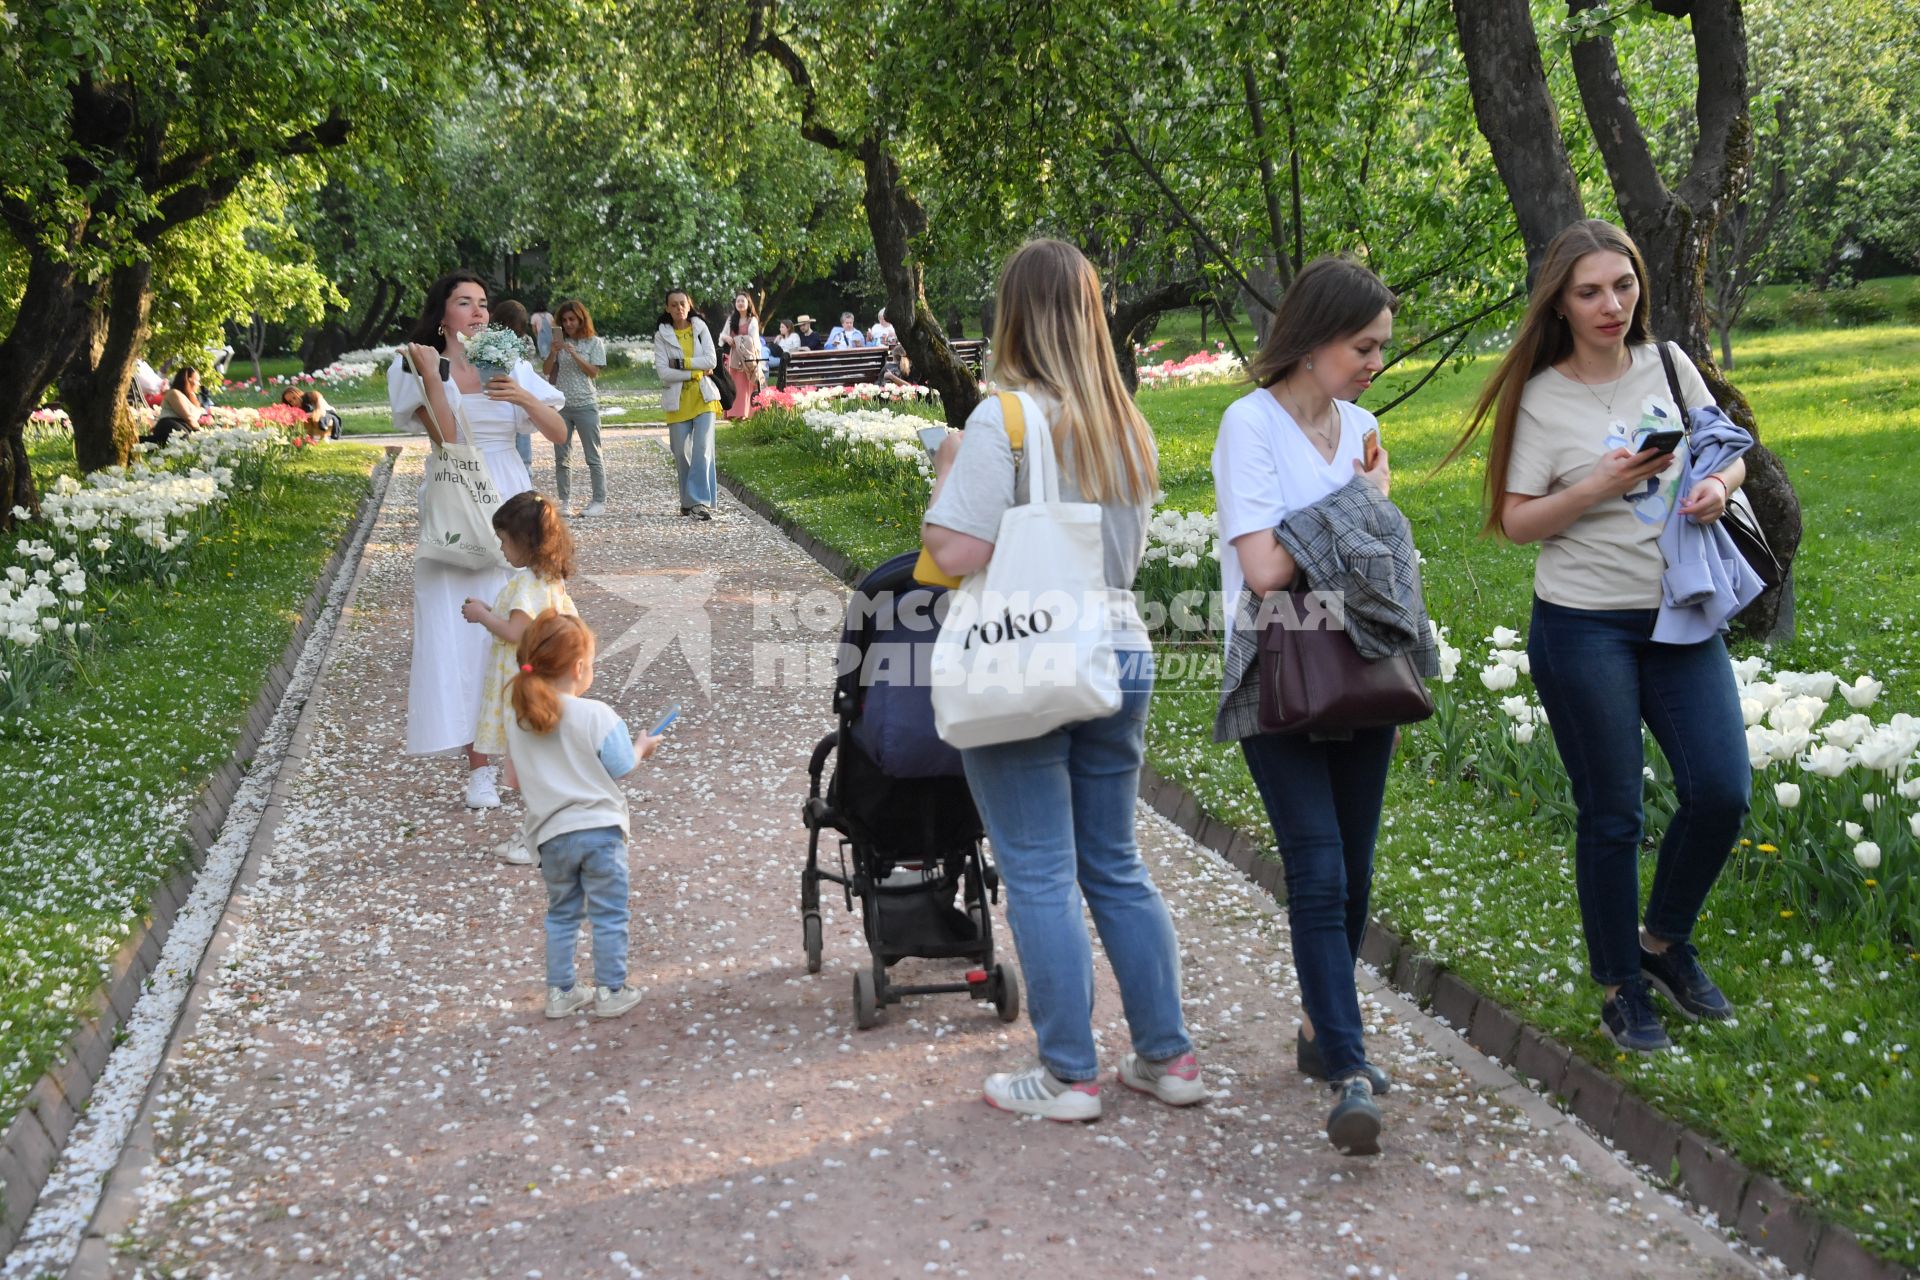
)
(584, 419)
(1600, 674)
(1060, 811)
(691, 443)
(523, 445)
(1323, 799)
(586, 869)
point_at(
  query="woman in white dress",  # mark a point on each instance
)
(449, 653)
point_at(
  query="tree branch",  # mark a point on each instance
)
(1212, 246)
(1637, 185)
(1276, 229)
(761, 38)
(1725, 145)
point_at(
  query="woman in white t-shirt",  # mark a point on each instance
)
(1574, 404)
(1282, 448)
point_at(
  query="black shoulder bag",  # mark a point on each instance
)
(1749, 539)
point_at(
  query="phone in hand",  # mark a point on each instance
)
(666, 721)
(931, 438)
(1372, 449)
(1661, 441)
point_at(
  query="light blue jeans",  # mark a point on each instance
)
(692, 445)
(582, 420)
(586, 869)
(1060, 811)
(523, 445)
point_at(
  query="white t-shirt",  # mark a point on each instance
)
(1610, 557)
(564, 775)
(1265, 468)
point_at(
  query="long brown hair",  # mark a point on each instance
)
(578, 308)
(1329, 300)
(1050, 331)
(536, 525)
(1545, 339)
(548, 650)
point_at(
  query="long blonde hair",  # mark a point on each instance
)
(1050, 332)
(1545, 339)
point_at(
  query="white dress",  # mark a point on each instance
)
(450, 653)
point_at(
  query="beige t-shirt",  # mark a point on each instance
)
(1610, 557)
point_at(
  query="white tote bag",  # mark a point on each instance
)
(456, 510)
(1027, 645)
(458, 501)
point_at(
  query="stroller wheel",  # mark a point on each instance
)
(810, 930)
(1006, 993)
(866, 999)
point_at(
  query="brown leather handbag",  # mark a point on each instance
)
(1312, 679)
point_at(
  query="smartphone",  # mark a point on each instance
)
(673, 713)
(1661, 441)
(931, 438)
(1372, 448)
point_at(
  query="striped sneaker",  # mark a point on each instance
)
(1036, 1092)
(1175, 1082)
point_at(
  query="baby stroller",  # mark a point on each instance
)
(910, 838)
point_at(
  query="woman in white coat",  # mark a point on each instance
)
(683, 355)
(449, 654)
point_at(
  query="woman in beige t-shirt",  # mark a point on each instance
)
(1572, 403)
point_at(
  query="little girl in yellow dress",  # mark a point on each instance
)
(535, 541)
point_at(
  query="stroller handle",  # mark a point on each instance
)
(817, 765)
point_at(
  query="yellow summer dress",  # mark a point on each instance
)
(529, 593)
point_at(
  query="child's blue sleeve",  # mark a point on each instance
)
(616, 751)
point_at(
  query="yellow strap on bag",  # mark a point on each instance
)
(925, 571)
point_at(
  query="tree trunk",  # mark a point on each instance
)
(94, 383)
(1131, 319)
(56, 299)
(1726, 346)
(894, 218)
(1514, 106)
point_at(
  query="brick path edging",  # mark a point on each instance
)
(1764, 1212)
(32, 1143)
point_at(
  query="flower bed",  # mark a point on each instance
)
(124, 525)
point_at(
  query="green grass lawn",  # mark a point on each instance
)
(100, 776)
(1815, 1083)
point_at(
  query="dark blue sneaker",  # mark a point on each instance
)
(1354, 1125)
(1630, 1022)
(1306, 1056)
(1676, 974)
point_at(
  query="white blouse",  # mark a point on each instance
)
(490, 424)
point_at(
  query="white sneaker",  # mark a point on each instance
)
(1176, 1082)
(564, 1004)
(1037, 1092)
(515, 852)
(611, 1003)
(592, 509)
(481, 791)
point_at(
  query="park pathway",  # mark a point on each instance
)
(366, 1086)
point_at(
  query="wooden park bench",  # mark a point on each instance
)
(848, 365)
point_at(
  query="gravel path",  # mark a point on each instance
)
(369, 1088)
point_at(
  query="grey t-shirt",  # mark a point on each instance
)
(985, 481)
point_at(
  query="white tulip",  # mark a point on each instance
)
(1870, 802)
(1797, 713)
(1752, 711)
(1787, 794)
(1498, 677)
(1913, 825)
(1813, 684)
(1514, 708)
(1523, 733)
(1504, 637)
(1852, 829)
(1789, 744)
(1861, 693)
(1760, 747)
(1827, 762)
(1910, 789)
(1867, 854)
(1746, 669)
(1889, 746)
(1766, 694)
(1848, 732)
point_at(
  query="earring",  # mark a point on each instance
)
(1309, 364)
(442, 331)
